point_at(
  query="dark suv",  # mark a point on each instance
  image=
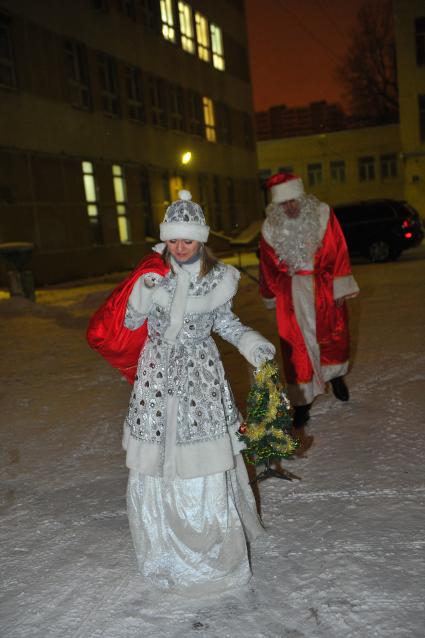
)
(380, 229)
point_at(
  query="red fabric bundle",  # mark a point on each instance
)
(106, 332)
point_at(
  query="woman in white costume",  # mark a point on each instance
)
(190, 507)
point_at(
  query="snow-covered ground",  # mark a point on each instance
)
(343, 554)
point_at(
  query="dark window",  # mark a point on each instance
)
(237, 4)
(366, 166)
(135, 102)
(149, 14)
(128, 7)
(150, 227)
(177, 122)
(236, 58)
(218, 211)
(100, 5)
(166, 188)
(108, 84)
(248, 131)
(314, 174)
(158, 101)
(224, 129)
(337, 171)
(231, 203)
(195, 114)
(7, 62)
(285, 169)
(421, 105)
(77, 74)
(388, 165)
(202, 187)
(420, 41)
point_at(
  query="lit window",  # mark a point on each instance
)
(388, 166)
(202, 37)
(120, 193)
(90, 192)
(209, 120)
(366, 169)
(337, 171)
(167, 19)
(217, 47)
(186, 27)
(7, 63)
(78, 76)
(314, 174)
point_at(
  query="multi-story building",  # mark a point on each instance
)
(343, 166)
(410, 38)
(107, 109)
(283, 121)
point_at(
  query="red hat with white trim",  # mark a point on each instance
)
(284, 187)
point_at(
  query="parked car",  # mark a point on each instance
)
(380, 229)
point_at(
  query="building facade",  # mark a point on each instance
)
(101, 103)
(410, 39)
(340, 167)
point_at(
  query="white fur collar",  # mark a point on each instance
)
(223, 292)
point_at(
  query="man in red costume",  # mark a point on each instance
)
(306, 274)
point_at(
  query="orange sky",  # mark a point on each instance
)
(295, 46)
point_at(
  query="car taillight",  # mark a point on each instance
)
(408, 235)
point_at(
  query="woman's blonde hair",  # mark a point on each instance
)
(208, 259)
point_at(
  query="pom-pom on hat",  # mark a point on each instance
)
(284, 187)
(184, 219)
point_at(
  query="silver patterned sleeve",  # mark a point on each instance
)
(228, 325)
(133, 319)
(250, 343)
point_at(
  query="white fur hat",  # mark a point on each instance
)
(184, 219)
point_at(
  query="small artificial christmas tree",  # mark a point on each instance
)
(266, 431)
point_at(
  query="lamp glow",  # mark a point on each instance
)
(186, 157)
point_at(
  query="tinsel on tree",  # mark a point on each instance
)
(266, 431)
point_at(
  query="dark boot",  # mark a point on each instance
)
(339, 388)
(301, 415)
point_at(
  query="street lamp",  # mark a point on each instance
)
(186, 157)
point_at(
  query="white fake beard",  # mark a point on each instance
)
(295, 240)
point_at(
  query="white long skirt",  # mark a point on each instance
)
(192, 534)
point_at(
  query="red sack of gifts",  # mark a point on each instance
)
(106, 332)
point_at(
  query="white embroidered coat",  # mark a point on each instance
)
(182, 417)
